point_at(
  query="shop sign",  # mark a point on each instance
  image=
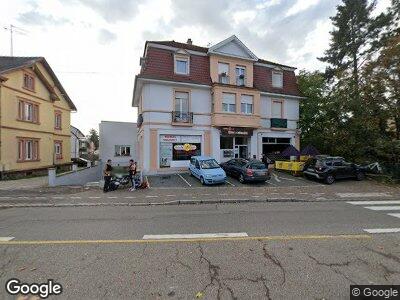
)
(185, 147)
(170, 138)
(236, 131)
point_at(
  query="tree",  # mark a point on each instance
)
(94, 138)
(352, 38)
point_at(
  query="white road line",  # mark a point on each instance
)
(40, 197)
(150, 196)
(394, 215)
(276, 178)
(130, 197)
(76, 197)
(382, 207)
(112, 197)
(170, 195)
(94, 197)
(374, 202)
(271, 183)
(5, 197)
(6, 238)
(230, 183)
(193, 236)
(255, 196)
(57, 197)
(382, 230)
(361, 195)
(285, 178)
(184, 179)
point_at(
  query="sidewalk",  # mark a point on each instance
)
(342, 191)
(25, 183)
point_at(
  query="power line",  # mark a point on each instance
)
(14, 29)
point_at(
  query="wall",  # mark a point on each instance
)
(81, 177)
(117, 133)
(12, 128)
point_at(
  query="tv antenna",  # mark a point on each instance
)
(14, 29)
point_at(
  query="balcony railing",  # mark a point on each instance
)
(139, 120)
(278, 123)
(182, 117)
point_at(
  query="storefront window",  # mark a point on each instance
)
(226, 142)
(184, 151)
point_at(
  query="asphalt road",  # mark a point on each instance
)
(290, 251)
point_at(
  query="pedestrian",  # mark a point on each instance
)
(132, 173)
(107, 176)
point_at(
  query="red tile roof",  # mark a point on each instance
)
(160, 65)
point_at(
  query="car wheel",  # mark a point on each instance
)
(329, 179)
(202, 180)
(241, 178)
(360, 176)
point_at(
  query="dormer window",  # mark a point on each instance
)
(29, 82)
(277, 79)
(181, 65)
(223, 73)
(240, 75)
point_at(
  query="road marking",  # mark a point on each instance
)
(255, 196)
(230, 183)
(196, 240)
(193, 236)
(276, 178)
(395, 215)
(5, 197)
(112, 197)
(285, 178)
(361, 195)
(57, 197)
(382, 207)
(374, 202)
(271, 183)
(130, 197)
(151, 196)
(170, 195)
(94, 197)
(382, 230)
(38, 197)
(184, 179)
(6, 238)
(75, 197)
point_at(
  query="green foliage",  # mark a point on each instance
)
(94, 137)
(353, 110)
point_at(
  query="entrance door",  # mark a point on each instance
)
(242, 151)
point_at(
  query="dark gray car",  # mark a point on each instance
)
(246, 170)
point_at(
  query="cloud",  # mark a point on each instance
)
(106, 36)
(112, 10)
(35, 18)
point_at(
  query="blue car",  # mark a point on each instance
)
(207, 170)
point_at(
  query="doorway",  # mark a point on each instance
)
(242, 151)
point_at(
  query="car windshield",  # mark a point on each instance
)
(258, 166)
(209, 164)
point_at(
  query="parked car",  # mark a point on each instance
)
(207, 170)
(329, 169)
(247, 169)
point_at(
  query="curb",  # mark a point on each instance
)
(173, 202)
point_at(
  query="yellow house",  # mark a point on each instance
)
(34, 117)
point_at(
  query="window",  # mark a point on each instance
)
(277, 109)
(240, 75)
(226, 142)
(228, 102)
(184, 151)
(58, 149)
(277, 79)
(29, 82)
(223, 73)
(28, 149)
(57, 120)
(246, 104)
(182, 102)
(122, 150)
(28, 111)
(181, 65)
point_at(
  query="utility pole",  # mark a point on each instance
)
(14, 29)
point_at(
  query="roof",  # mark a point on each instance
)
(77, 131)
(206, 50)
(11, 63)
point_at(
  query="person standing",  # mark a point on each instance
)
(132, 173)
(107, 176)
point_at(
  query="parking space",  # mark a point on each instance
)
(184, 180)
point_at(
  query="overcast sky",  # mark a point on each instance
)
(94, 46)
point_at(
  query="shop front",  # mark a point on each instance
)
(235, 142)
(175, 150)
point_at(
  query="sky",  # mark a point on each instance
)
(94, 46)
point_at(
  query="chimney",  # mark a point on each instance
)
(189, 42)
